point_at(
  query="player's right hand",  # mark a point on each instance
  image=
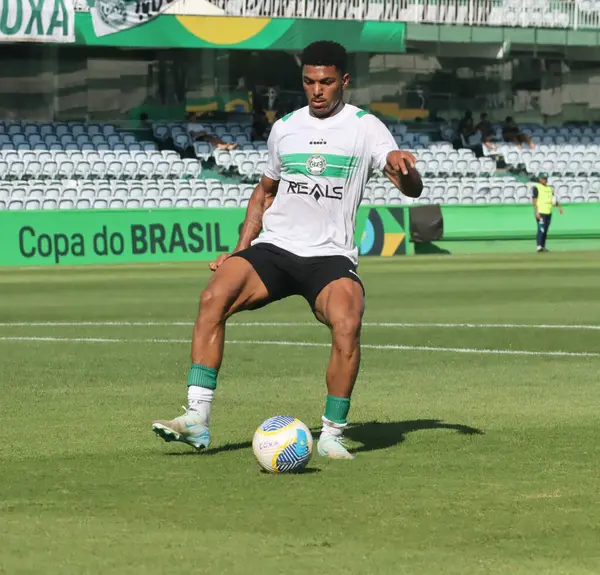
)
(215, 264)
(537, 216)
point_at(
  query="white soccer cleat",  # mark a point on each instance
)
(332, 446)
(188, 428)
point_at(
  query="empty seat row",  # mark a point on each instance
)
(121, 203)
(158, 167)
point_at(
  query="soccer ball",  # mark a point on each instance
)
(282, 444)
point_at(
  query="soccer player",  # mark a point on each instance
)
(543, 200)
(319, 159)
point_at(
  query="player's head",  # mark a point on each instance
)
(543, 178)
(324, 76)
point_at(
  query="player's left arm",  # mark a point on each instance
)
(400, 170)
(397, 165)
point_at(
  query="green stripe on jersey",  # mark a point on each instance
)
(331, 159)
(330, 171)
(361, 113)
(336, 166)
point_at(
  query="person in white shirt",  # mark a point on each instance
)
(298, 239)
(197, 131)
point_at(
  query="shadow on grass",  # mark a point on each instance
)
(372, 434)
(380, 435)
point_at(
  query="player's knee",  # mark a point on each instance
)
(213, 304)
(346, 328)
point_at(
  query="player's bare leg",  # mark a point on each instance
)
(234, 287)
(340, 306)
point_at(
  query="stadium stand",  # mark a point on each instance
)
(85, 166)
(510, 13)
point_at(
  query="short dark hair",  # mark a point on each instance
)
(325, 53)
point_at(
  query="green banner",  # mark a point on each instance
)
(170, 31)
(516, 221)
(106, 236)
(128, 236)
(37, 21)
(470, 229)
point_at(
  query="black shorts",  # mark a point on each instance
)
(285, 274)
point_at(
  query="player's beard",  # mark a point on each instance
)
(328, 111)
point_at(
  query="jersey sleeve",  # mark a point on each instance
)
(381, 141)
(273, 169)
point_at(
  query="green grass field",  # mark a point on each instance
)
(468, 462)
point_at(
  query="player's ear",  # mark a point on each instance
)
(345, 80)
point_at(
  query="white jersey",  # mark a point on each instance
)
(322, 167)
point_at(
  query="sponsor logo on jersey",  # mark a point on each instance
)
(317, 191)
(318, 142)
(316, 164)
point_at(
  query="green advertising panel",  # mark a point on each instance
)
(170, 31)
(106, 236)
(516, 221)
(512, 228)
(129, 236)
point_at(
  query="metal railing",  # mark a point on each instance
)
(573, 14)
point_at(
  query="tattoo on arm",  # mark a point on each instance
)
(259, 203)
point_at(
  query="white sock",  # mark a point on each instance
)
(332, 428)
(200, 401)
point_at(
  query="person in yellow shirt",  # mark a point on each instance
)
(543, 202)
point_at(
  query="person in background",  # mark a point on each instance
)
(466, 126)
(260, 126)
(512, 134)
(543, 201)
(485, 127)
(480, 145)
(145, 123)
(197, 131)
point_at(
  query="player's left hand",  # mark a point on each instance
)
(399, 161)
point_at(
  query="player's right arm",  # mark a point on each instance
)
(261, 199)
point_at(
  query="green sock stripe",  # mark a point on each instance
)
(202, 376)
(337, 408)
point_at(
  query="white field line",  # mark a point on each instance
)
(390, 347)
(297, 324)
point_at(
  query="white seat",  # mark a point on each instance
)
(223, 159)
(100, 204)
(146, 169)
(114, 169)
(66, 204)
(213, 203)
(162, 169)
(15, 205)
(32, 205)
(49, 204)
(193, 168)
